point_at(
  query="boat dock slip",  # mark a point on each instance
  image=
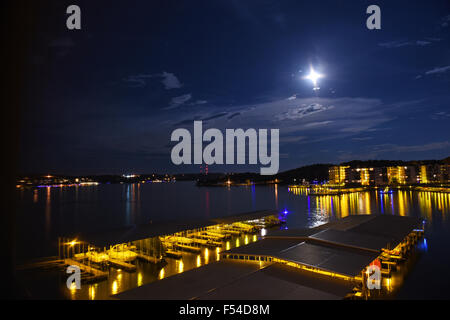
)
(122, 265)
(96, 274)
(325, 262)
(148, 258)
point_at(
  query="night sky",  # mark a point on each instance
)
(105, 99)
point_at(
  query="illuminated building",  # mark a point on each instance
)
(433, 173)
(337, 175)
(401, 174)
(362, 176)
(423, 177)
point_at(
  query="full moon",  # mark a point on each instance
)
(314, 76)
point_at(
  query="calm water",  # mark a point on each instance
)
(46, 213)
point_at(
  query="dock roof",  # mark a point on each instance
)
(241, 281)
(346, 246)
(150, 230)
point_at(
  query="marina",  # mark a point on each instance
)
(155, 260)
(337, 254)
(96, 255)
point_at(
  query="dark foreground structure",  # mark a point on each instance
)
(326, 262)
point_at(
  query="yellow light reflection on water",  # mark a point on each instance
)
(180, 266)
(161, 274)
(217, 253)
(92, 290)
(400, 202)
(73, 290)
(206, 255)
(115, 287)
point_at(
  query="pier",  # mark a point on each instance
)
(122, 265)
(93, 273)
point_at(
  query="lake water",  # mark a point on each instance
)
(46, 213)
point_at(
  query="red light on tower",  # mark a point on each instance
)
(206, 169)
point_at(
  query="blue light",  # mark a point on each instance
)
(423, 245)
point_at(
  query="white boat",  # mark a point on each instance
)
(122, 252)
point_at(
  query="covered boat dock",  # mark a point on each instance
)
(325, 262)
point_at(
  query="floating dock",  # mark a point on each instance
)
(122, 265)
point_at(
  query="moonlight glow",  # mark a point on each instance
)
(314, 76)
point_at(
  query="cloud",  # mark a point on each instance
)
(198, 102)
(293, 97)
(445, 21)
(438, 70)
(138, 81)
(404, 43)
(314, 119)
(318, 124)
(178, 101)
(422, 43)
(362, 138)
(442, 115)
(384, 151)
(170, 81)
(219, 115)
(292, 139)
(434, 71)
(302, 111)
(234, 115)
(412, 148)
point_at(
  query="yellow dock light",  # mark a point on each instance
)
(72, 243)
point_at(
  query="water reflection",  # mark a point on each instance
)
(401, 202)
(48, 212)
(132, 202)
(35, 196)
(207, 203)
(276, 195)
